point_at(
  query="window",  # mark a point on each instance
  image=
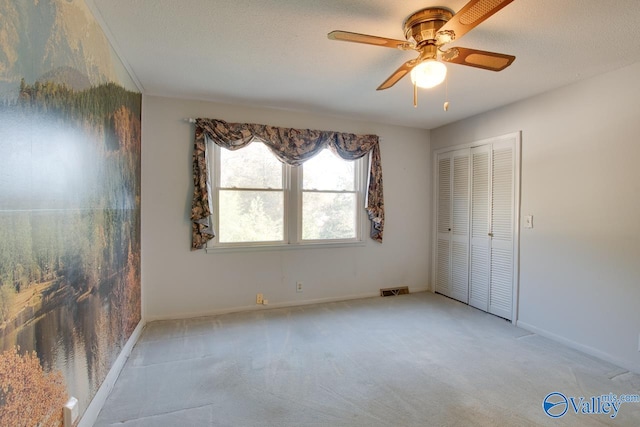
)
(251, 197)
(329, 198)
(260, 201)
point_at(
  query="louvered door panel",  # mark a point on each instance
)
(444, 224)
(460, 271)
(442, 267)
(460, 227)
(479, 278)
(502, 212)
(444, 195)
(461, 194)
(480, 242)
(502, 194)
(501, 283)
(480, 196)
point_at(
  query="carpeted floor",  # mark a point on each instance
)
(409, 360)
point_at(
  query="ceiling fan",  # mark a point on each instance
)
(427, 31)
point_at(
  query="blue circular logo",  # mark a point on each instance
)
(555, 404)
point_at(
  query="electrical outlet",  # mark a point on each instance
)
(70, 412)
(299, 287)
(259, 299)
(265, 302)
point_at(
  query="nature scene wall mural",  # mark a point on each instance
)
(69, 208)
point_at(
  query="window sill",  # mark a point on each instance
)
(283, 247)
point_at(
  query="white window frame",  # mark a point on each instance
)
(292, 186)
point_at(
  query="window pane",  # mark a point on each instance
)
(251, 216)
(328, 216)
(326, 171)
(253, 166)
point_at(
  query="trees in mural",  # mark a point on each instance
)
(41, 247)
(69, 246)
(29, 395)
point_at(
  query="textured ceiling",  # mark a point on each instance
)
(275, 53)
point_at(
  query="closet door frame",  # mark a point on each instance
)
(517, 138)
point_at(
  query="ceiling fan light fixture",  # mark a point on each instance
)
(428, 74)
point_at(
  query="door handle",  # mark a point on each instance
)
(490, 234)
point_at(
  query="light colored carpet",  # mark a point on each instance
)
(410, 360)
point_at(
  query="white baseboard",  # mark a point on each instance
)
(255, 307)
(91, 414)
(628, 365)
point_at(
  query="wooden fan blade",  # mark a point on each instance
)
(471, 15)
(399, 74)
(346, 36)
(478, 58)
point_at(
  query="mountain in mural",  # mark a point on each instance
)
(67, 76)
(38, 36)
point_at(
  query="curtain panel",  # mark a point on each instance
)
(290, 146)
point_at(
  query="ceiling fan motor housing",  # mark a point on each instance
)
(422, 27)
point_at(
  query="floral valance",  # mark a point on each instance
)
(290, 146)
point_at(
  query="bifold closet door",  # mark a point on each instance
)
(443, 225)
(479, 271)
(475, 217)
(492, 219)
(502, 229)
(452, 223)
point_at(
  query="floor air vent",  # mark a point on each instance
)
(388, 292)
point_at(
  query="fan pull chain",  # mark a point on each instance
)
(446, 94)
(415, 95)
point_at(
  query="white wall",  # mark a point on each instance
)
(580, 264)
(178, 282)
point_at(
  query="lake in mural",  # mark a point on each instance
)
(69, 208)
